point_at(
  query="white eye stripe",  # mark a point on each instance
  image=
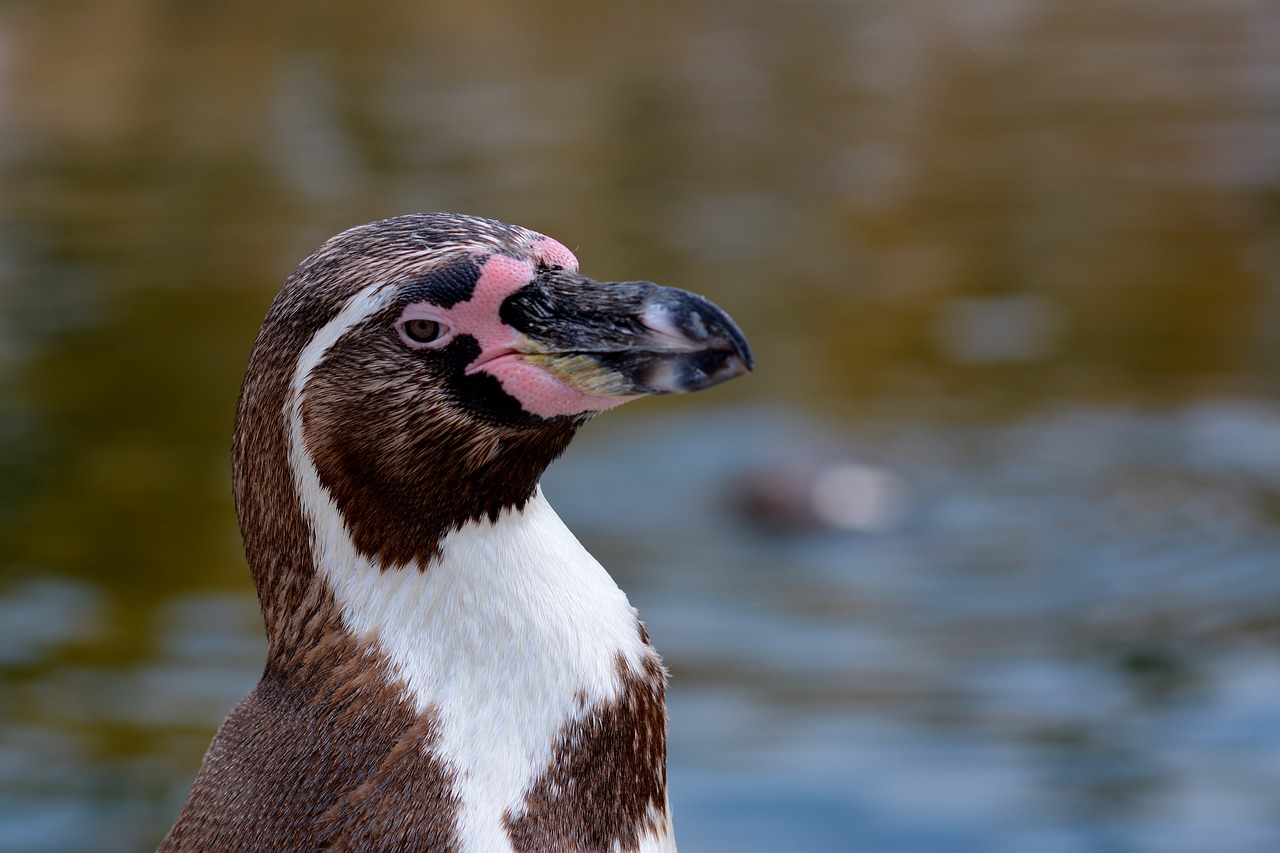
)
(357, 310)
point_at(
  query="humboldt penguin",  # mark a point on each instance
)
(448, 669)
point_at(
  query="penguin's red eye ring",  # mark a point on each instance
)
(420, 330)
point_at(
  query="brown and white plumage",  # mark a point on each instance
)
(448, 669)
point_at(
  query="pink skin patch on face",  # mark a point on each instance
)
(538, 392)
(552, 253)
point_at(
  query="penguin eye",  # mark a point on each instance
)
(420, 330)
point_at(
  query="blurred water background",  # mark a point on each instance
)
(984, 557)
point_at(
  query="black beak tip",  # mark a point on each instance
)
(726, 338)
(731, 365)
(722, 351)
(741, 349)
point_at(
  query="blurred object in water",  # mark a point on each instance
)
(809, 494)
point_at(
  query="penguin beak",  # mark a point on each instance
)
(624, 339)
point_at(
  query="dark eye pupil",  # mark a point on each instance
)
(422, 331)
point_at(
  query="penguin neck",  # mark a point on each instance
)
(511, 610)
(528, 659)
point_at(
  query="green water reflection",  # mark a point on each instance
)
(959, 215)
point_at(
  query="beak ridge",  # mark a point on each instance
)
(626, 338)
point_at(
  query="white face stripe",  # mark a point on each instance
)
(502, 635)
(359, 307)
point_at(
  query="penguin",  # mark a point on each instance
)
(448, 669)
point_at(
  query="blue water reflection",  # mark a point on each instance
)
(1074, 624)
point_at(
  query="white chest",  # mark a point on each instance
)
(511, 635)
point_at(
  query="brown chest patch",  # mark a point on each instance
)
(322, 755)
(606, 783)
